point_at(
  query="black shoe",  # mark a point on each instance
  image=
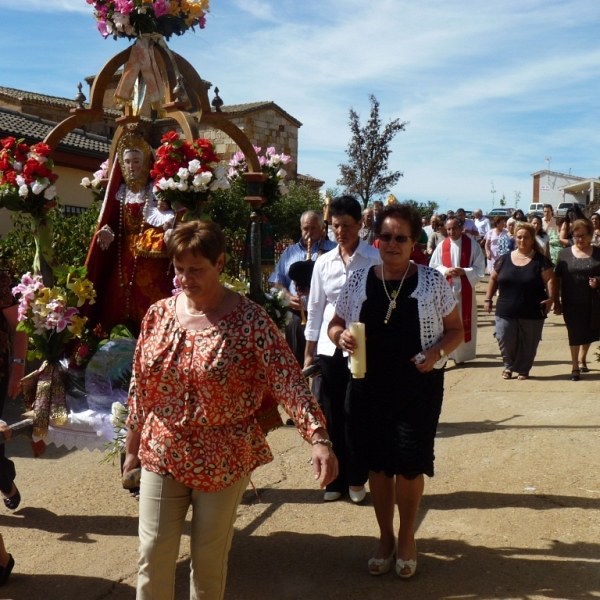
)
(14, 501)
(7, 570)
(574, 377)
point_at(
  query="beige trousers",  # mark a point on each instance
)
(163, 507)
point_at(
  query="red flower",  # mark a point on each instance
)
(9, 142)
(171, 136)
(41, 149)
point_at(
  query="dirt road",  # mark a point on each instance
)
(512, 512)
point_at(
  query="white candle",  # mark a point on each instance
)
(358, 359)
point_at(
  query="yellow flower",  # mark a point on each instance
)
(192, 8)
(84, 290)
(174, 9)
(78, 324)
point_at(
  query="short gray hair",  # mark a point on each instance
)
(310, 215)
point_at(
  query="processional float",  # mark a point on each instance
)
(56, 299)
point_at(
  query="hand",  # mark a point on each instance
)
(488, 306)
(347, 342)
(557, 308)
(546, 305)
(455, 272)
(593, 283)
(131, 462)
(105, 238)
(489, 256)
(308, 361)
(431, 357)
(325, 464)
(295, 302)
(6, 430)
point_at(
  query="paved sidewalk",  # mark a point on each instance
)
(512, 512)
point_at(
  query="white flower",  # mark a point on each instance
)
(121, 20)
(37, 187)
(50, 192)
(283, 190)
(183, 173)
(23, 191)
(85, 182)
(17, 166)
(182, 186)
(220, 172)
(172, 184)
(281, 173)
(20, 180)
(163, 183)
(193, 166)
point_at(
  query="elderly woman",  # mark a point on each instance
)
(578, 274)
(438, 235)
(526, 283)
(412, 322)
(203, 363)
(496, 241)
(330, 273)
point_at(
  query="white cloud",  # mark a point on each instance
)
(257, 8)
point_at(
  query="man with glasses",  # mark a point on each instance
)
(460, 259)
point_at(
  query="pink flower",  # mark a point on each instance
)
(257, 149)
(177, 286)
(270, 151)
(124, 6)
(160, 8)
(101, 25)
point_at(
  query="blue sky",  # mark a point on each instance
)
(490, 88)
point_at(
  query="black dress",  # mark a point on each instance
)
(581, 304)
(394, 410)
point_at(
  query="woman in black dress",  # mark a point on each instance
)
(526, 283)
(578, 273)
(412, 322)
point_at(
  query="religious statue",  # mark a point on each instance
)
(127, 259)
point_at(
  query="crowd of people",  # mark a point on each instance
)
(208, 361)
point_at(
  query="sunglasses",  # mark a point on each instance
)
(388, 237)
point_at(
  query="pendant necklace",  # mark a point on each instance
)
(203, 314)
(393, 296)
(521, 255)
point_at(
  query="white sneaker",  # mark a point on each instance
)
(331, 496)
(358, 496)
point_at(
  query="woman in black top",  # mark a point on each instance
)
(526, 283)
(578, 275)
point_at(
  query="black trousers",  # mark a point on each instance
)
(7, 467)
(334, 387)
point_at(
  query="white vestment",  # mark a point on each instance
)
(475, 271)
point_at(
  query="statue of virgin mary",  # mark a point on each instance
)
(127, 261)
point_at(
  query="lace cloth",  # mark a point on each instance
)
(434, 297)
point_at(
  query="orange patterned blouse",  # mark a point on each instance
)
(194, 394)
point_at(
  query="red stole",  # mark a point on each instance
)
(466, 289)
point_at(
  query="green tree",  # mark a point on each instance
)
(367, 174)
(502, 200)
(425, 208)
(285, 213)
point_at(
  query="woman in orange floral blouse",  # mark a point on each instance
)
(203, 363)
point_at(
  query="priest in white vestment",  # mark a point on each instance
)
(461, 261)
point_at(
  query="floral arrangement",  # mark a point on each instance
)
(271, 163)
(97, 185)
(26, 177)
(51, 316)
(132, 18)
(276, 304)
(118, 417)
(185, 173)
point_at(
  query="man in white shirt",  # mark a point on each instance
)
(482, 223)
(426, 222)
(461, 261)
(329, 275)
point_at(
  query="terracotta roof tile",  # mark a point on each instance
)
(250, 107)
(34, 129)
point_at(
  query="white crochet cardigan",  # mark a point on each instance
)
(434, 296)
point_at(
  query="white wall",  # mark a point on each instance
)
(548, 188)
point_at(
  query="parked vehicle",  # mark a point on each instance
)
(536, 206)
(505, 212)
(563, 207)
